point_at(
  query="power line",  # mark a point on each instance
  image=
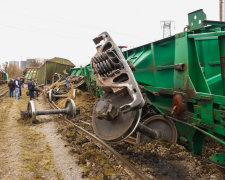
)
(38, 30)
(78, 24)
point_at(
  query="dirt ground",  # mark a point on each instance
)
(160, 159)
(32, 151)
(53, 149)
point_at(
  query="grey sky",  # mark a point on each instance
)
(65, 28)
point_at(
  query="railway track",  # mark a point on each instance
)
(133, 172)
(3, 91)
(81, 127)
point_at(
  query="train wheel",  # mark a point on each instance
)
(166, 127)
(122, 125)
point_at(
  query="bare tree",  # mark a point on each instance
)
(35, 63)
(13, 71)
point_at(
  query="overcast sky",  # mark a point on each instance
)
(65, 28)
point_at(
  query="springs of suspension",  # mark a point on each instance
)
(106, 62)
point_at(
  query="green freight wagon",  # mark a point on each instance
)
(180, 79)
(43, 75)
(184, 77)
(87, 72)
(52, 66)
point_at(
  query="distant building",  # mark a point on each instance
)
(17, 63)
(23, 65)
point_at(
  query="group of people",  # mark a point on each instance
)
(18, 83)
(15, 85)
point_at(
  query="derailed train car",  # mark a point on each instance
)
(89, 79)
(3, 77)
(43, 75)
(175, 92)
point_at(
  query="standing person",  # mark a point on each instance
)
(31, 88)
(66, 77)
(22, 80)
(21, 84)
(17, 87)
(11, 86)
(37, 90)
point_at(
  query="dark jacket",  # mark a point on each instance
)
(65, 76)
(31, 86)
(21, 83)
(11, 85)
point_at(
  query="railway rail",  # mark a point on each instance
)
(133, 172)
(3, 91)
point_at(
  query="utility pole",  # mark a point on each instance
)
(166, 25)
(222, 10)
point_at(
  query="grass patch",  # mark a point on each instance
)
(36, 154)
(35, 157)
(5, 107)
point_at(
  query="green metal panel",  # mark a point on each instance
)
(151, 61)
(181, 57)
(222, 61)
(218, 158)
(89, 78)
(41, 76)
(192, 64)
(195, 71)
(195, 19)
(209, 59)
(50, 67)
(76, 72)
(6, 76)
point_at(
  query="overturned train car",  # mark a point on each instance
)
(44, 75)
(181, 79)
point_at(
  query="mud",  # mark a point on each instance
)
(169, 161)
